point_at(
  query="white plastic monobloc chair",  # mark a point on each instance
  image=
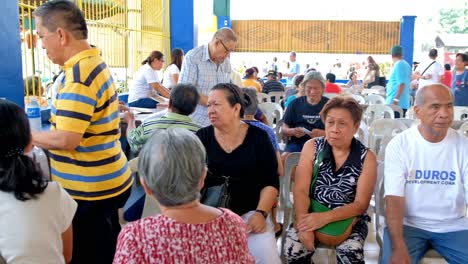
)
(288, 208)
(359, 98)
(397, 108)
(272, 111)
(460, 113)
(464, 129)
(375, 99)
(262, 98)
(277, 96)
(378, 111)
(363, 133)
(381, 132)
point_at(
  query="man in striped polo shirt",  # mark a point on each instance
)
(183, 101)
(85, 153)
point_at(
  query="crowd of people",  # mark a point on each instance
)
(213, 134)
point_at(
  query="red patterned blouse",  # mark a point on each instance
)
(159, 239)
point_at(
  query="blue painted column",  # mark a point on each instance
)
(183, 27)
(407, 37)
(11, 80)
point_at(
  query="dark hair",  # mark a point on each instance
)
(155, 55)
(30, 88)
(433, 53)
(65, 14)
(298, 80)
(255, 69)
(176, 57)
(463, 56)
(330, 77)
(280, 75)
(447, 67)
(184, 98)
(351, 74)
(343, 102)
(234, 95)
(249, 73)
(18, 173)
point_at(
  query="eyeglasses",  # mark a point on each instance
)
(224, 46)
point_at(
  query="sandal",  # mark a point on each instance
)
(278, 233)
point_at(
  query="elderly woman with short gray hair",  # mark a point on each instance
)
(172, 169)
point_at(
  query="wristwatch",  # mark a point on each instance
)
(265, 214)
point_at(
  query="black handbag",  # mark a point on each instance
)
(217, 195)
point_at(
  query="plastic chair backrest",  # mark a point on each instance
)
(262, 98)
(363, 133)
(285, 194)
(272, 111)
(359, 98)
(464, 129)
(377, 111)
(397, 108)
(381, 132)
(375, 99)
(277, 96)
(410, 114)
(460, 113)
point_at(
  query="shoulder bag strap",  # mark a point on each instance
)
(317, 163)
(427, 68)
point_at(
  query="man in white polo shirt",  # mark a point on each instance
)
(426, 185)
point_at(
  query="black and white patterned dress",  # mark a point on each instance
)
(334, 189)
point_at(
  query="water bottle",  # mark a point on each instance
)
(34, 114)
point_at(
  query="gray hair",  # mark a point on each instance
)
(420, 97)
(64, 14)
(313, 76)
(225, 34)
(252, 108)
(172, 163)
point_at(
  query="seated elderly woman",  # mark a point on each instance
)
(335, 179)
(245, 154)
(302, 119)
(172, 169)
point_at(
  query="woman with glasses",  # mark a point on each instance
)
(146, 84)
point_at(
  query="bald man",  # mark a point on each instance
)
(426, 184)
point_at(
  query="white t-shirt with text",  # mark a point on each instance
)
(432, 177)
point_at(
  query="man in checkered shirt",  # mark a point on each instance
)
(206, 66)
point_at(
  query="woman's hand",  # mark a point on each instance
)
(257, 223)
(299, 132)
(307, 239)
(312, 222)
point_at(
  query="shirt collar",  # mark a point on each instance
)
(172, 115)
(81, 55)
(354, 155)
(206, 53)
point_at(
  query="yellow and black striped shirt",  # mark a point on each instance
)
(87, 104)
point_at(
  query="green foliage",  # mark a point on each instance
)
(454, 20)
